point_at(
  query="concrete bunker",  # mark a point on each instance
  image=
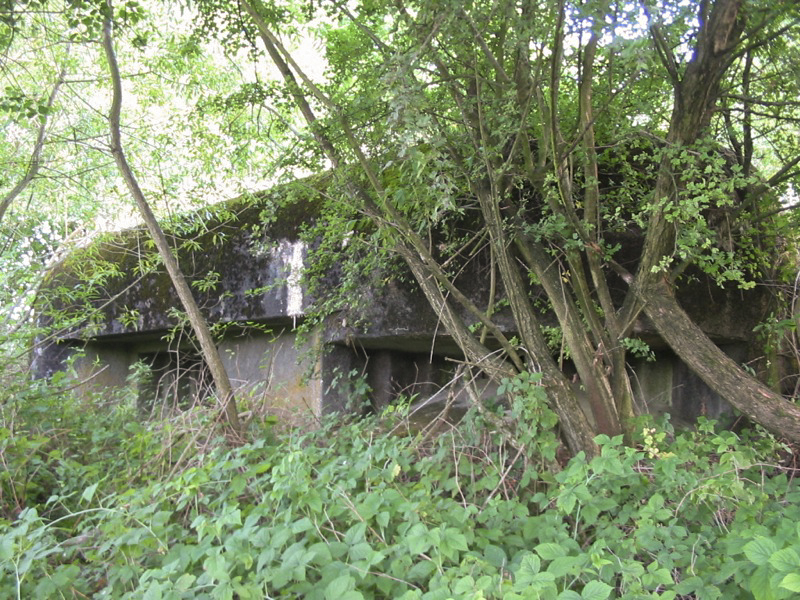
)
(246, 269)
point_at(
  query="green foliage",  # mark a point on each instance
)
(350, 512)
(703, 213)
(638, 348)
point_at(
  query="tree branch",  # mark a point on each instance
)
(486, 50)
(665, 54)
(34, 163)
(762, 102)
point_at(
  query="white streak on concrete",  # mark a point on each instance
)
(289, 258)
(294, 291)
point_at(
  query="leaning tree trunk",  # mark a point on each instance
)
(196, 320)
(718, 370)
(576, 427)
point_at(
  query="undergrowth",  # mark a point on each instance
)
(94, 503)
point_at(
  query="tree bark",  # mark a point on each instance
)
(577, 430)
(696, 95)
(426, 270)
(196, 319)
(716, 369)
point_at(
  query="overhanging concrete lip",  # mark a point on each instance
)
(232, 329)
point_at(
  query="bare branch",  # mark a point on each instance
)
(34, 163)
(665, 54)
(763, 42)
(486, 50)
(762, 102)
(364, 29)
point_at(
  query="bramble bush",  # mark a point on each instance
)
(109, 507)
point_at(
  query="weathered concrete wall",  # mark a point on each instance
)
(667, 385)
(103, 366)
(248, 280)
(267, 368)
(273, 369)
(245, 263)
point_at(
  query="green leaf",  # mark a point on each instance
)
(361, 551)
(596, 590)
(154, 591)
(355, 534)
(569, 595)
(656, 577)
(383, 518)
(495, 556)
(760, 550)
(549, 551)
(217, 566)
(238, 484)
(337, 549)
(563, 565)
(322, 553)
(421, 571)
(455, 539)
(302, 525)
(528, 568)
(6, 547)
(566, 502)
(370, 506)
(464, 586)
(791, 582)
(337, 588)
(418, 539)
(760, 584)
(184, 582)
(281, 576)
(542, 579)
(785, 561)
(689, 585)
(88, 493)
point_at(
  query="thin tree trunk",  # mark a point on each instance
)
(576, 427)
(196, 319)
(696, 94)
(590, 368)
(612, 350)
(35, 161)
(427, 272)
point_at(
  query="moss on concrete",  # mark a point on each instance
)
(121, 276)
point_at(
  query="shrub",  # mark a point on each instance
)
(349, 511)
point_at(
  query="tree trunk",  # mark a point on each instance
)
(716, 369)
(577, 430)
(196, 319)
(696, 96)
